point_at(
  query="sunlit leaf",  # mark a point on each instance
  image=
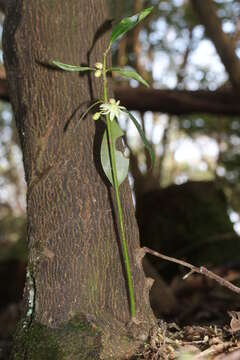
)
(128, 23)
(130, 74)
(68, 67)
(143, 137)
(122, 163)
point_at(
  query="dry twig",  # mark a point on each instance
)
(194, 269)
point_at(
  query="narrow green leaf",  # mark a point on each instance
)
(130, 74)
(68, 67)
(143, 137)
(122, 163)
(128, 23)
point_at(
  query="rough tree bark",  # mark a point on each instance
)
(173, 102)
(76, 298)
(180, 102)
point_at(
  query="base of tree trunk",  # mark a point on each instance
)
(80, 338)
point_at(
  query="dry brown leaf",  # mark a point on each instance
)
(235, 321)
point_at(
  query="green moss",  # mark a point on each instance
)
(36, 342)
(76, 339)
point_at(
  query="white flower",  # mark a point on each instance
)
(112, 108)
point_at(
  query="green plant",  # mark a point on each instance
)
(114, 163)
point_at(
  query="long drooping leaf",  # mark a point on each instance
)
(68, 67)
(143, 137)
(128, 23)
(129, 74)
(122, 163)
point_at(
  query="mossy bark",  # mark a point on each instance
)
(75, 266)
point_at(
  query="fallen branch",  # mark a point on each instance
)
(194, 269)
(213, 350)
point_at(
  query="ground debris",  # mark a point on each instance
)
(168, 342)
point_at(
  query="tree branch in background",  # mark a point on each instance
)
(182, 67)
(206, 11)
(173, 102)
(179, 102)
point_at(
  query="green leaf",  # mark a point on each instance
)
(143, 137)
(130, 74)
(68, 67)
(128, 23)
(122, 163)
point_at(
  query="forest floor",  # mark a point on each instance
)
(205, 325)
(169, 342)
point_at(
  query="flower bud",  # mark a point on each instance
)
(98, 73)
(98, 65)
(96, 116)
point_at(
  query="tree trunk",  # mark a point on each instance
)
(76, 297)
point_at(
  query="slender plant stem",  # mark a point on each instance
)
(119, 207)
(87, 111)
